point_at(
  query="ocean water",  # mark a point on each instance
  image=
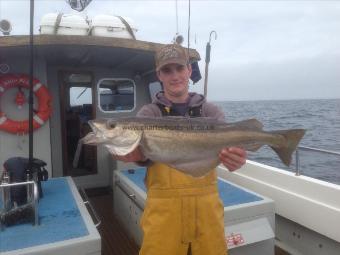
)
(321, 119)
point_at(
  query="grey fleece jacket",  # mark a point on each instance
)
(152, 110)
(208, 109)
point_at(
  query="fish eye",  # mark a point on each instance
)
(110, 124)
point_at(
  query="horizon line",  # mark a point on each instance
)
(280, 99)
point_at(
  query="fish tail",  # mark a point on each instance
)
(292, 138)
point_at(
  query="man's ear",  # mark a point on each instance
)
(190, 69)
(158, 75)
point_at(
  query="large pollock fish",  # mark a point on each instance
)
(190, 145)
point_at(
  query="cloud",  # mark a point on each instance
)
(262, 46)
(301, 78)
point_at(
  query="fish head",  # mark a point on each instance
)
(115, 137)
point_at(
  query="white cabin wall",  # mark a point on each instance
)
(105, 163)
(55, 123)
(12, 145)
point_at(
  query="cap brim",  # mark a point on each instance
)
(172, 61)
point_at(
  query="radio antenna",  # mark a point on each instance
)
(189, 7)
(176, 18)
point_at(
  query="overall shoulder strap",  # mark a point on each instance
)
(195, 111)
(168, 111)
(165, 110)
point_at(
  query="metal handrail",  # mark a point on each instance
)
(87, 202)
(297, 157)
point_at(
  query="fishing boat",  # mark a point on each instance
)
(92, 203)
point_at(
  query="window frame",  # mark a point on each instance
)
(116, 111)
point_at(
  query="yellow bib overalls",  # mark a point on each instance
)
(180, 211)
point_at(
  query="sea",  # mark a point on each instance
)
(320, 118)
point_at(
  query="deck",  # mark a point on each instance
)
(115, 240)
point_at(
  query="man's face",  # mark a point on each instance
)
(175, 79)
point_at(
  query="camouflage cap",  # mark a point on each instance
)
(171, 54)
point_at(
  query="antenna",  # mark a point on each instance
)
(179, 39)
(189, 27)
(176, 18)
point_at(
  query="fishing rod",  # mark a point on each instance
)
(30, 98)
(78, 5)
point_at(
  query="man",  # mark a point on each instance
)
(183, 214)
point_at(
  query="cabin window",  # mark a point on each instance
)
(80, 96)
(116, 95)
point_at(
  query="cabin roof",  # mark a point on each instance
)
(87, 50)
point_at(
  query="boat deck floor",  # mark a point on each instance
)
(115, 239)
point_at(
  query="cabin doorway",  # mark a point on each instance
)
(77, 108)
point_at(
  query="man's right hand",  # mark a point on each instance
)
(135, 155)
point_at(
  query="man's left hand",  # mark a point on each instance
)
(233, 158)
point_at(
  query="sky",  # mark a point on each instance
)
(264, 49)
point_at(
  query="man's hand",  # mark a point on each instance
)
(135, 155)
(233, 158)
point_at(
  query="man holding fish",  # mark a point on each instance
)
(183, 214)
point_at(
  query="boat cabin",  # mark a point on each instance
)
(87, 77)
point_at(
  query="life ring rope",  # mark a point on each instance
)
(44, 103)
(36, 87)
(3, 119)
(38, 119)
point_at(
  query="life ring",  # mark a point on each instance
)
(44, 103)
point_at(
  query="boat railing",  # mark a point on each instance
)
(305, 148)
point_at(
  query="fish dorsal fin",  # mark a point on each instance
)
(249, 124)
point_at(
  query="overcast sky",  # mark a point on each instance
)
(264, 49)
